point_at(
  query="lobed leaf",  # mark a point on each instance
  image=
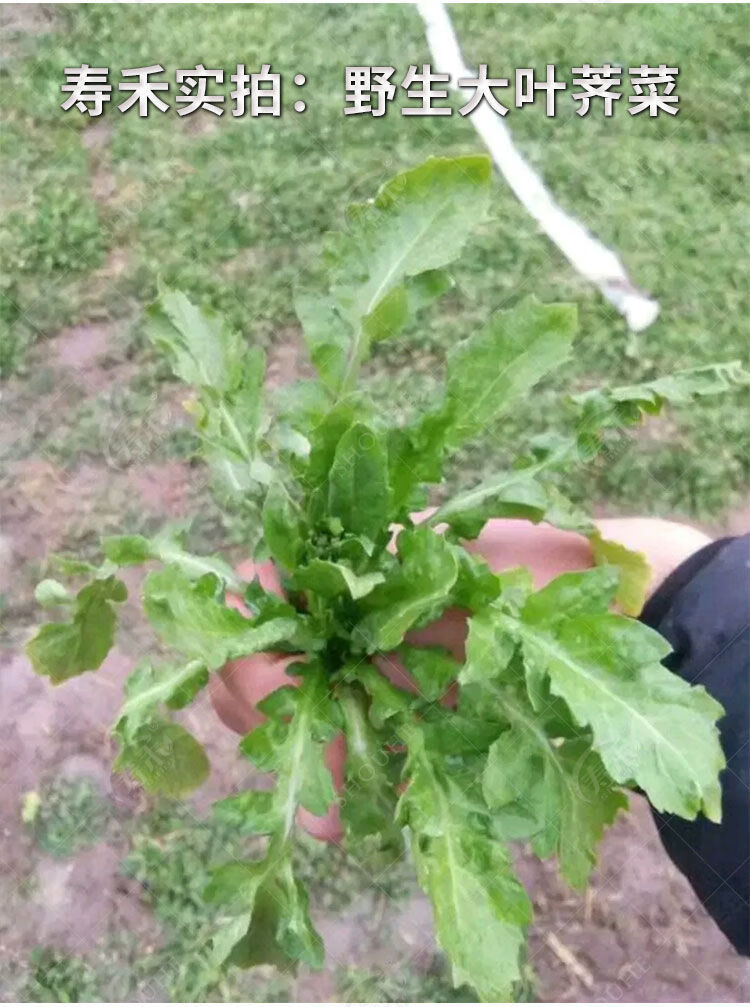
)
(358, 482)
(191, 617)
(560, 787)
(649, 726)
(502, 361)
(148, 687)
(481, 910)
(164, 758)
(420, 585)
(61, 650)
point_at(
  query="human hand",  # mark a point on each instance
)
(238, 688)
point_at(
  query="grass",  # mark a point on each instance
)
(234, 213)
(68, 815)
(169, 854)
(401, 985)
(59, 978)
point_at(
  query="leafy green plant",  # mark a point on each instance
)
(169, 856)
(401, 985)
(69, 815)
(59, 978)
(563, 704)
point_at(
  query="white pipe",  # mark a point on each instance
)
(592, 259)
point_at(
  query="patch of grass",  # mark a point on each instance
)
(170, 855)
(335, 879)
(58, 978)
(234, 213)
(71, 815)
(404, 984)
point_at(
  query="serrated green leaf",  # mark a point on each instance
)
(489, 647)
(432, 668)
(272, 922)
(324, 440)
(148, 687)
(295, 932)
(280, 703)
(560, 786)
(282, 526)
(509, 495)
(168, 546)
(62, 650)
(251, 811)
(416, 454)
(649, 726)
(488, 371)
(421, 584)
(275, 927)
(358, 482)
(386, 699)
(203, 350)
(480, 908)
(295, 749)
(369, 801)
(387, 263)
(327, 334)
(418, 221)
(164, 758)
(476, 585)
(191, 616)
(600, 409)
(628, 402)
(634, 568)
(563, 513)
(207, 354)
(586, 592)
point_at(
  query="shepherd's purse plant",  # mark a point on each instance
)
(563, 702)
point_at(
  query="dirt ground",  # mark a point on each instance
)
(639, 933)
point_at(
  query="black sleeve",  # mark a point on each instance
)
(703, 609)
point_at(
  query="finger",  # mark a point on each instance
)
(396, 672)
(666, 544)
(266, 573)
(248, 680)
(237, 715)
(449, 632)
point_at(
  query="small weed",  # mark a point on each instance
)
(70, 816)
(336, 878)
(405, 984)
(60, 978)
(170, 856)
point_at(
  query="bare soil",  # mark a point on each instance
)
(638, 934)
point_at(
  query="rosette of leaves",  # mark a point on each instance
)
(562, 703)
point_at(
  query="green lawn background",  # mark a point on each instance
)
(233, 211)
